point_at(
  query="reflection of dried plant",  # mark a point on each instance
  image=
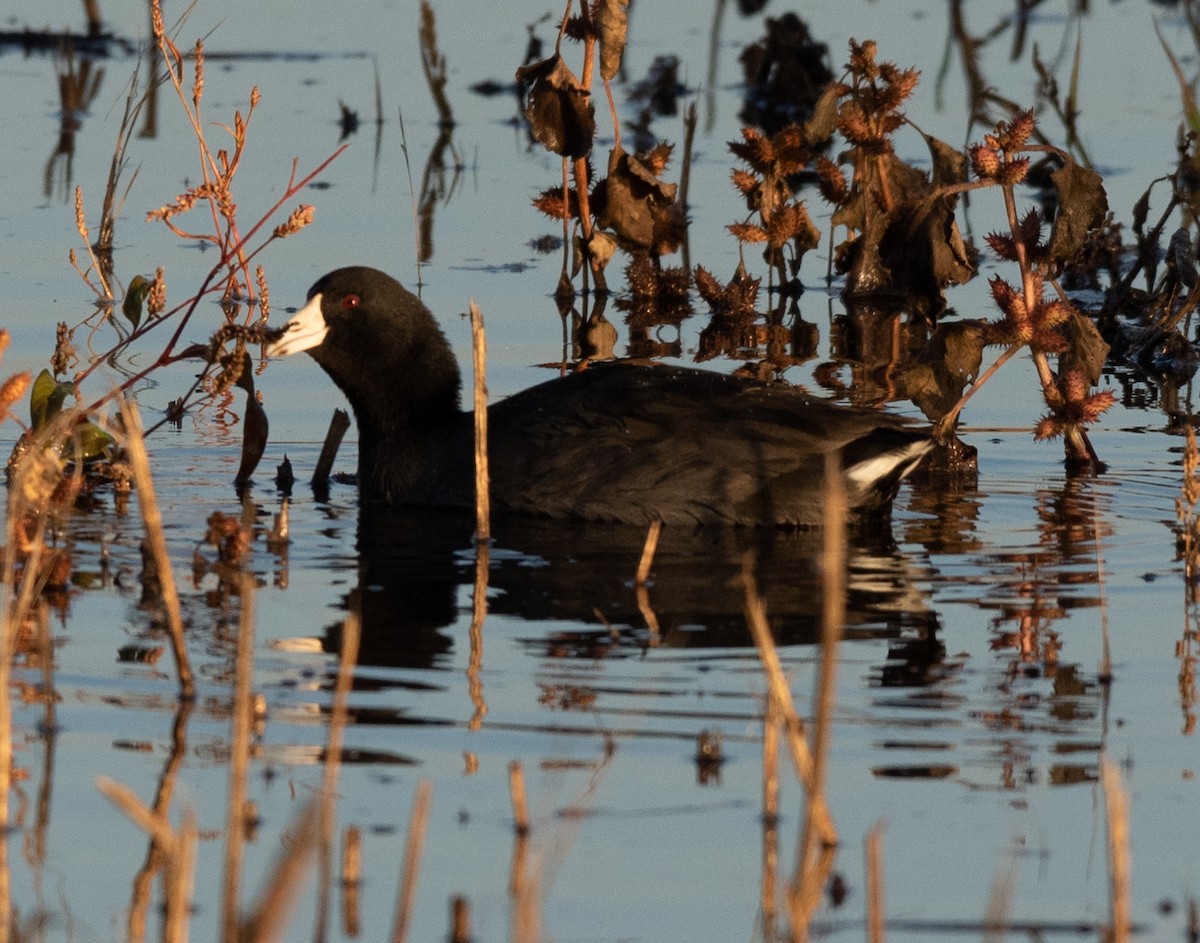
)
(1187, 514)
(767, 186)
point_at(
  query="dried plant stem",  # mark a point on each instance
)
(460, 920)
(770, 816)
(777, 688)
(483, 512)
(815, 844)
(180, 879)
(417, 823)
(685, 177)
(139, 903)
(475, 633)
(152, 521)
(946, 423)
(648, 549)
(179, 849)
(8, 624)
(241, 717)
(268, 919)
(516, 787)
(338, 714)
(351, 879)
(1116, 804)
(999, 904)
(338, 424)
(873, 852)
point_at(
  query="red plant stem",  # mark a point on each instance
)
(189, 307)
(946, 423)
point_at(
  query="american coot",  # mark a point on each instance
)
(614, 442)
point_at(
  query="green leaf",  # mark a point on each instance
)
(135, 296)
(46, 400)
(89, 443)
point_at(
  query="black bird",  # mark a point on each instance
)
(618, 442)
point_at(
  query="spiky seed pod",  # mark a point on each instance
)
(12, 391)
(1048, 427)
(1074, 386)
(1054, 313)
(985, 161)
(831, 181)
(1019, 130)
(745, 181)
(1013, 172)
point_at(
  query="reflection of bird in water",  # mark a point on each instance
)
(616, 442)
(413, 562)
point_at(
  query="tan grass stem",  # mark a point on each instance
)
(152, 521)
(475, 633)
(351, 880)
(273, 906)
(338, 716)
(240, 721)
(648, 549)
(483, 513)
(338, 424)
(417, 823)
(1116, 805)
(777, 688)
(873, 854)
(516, 786)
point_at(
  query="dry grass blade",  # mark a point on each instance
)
(483, 513)
(338, 425)
(1116, 804)
(873, 850)
(351, 879)
(777, 689)
(152, 520)
(648, 549)
(417, 823)
(516, 786)
(338, 715)
(181, 872)
(999, 904)
(267, 920)
(475, 633)
(8, 625)
(240, 722)
(149, 821)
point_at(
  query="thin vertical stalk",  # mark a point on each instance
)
(483, 514)
(1116, 805)
(873, 852)
(338, 714)
(417, 822)
(152, 520)
(239, 761)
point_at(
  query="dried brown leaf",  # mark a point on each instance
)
(1083, 204)
(612, 22)
(558, 107)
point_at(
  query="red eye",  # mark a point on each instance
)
(350, 302)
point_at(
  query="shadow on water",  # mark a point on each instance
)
(412, 564)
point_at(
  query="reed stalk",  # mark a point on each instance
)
(777, 688)
(338, 715)
(338, 424)
(152, 521)
(873, 853)
(240, 720)
(1116, 806)
(268, 919)
(417, 823)
(483, 513)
